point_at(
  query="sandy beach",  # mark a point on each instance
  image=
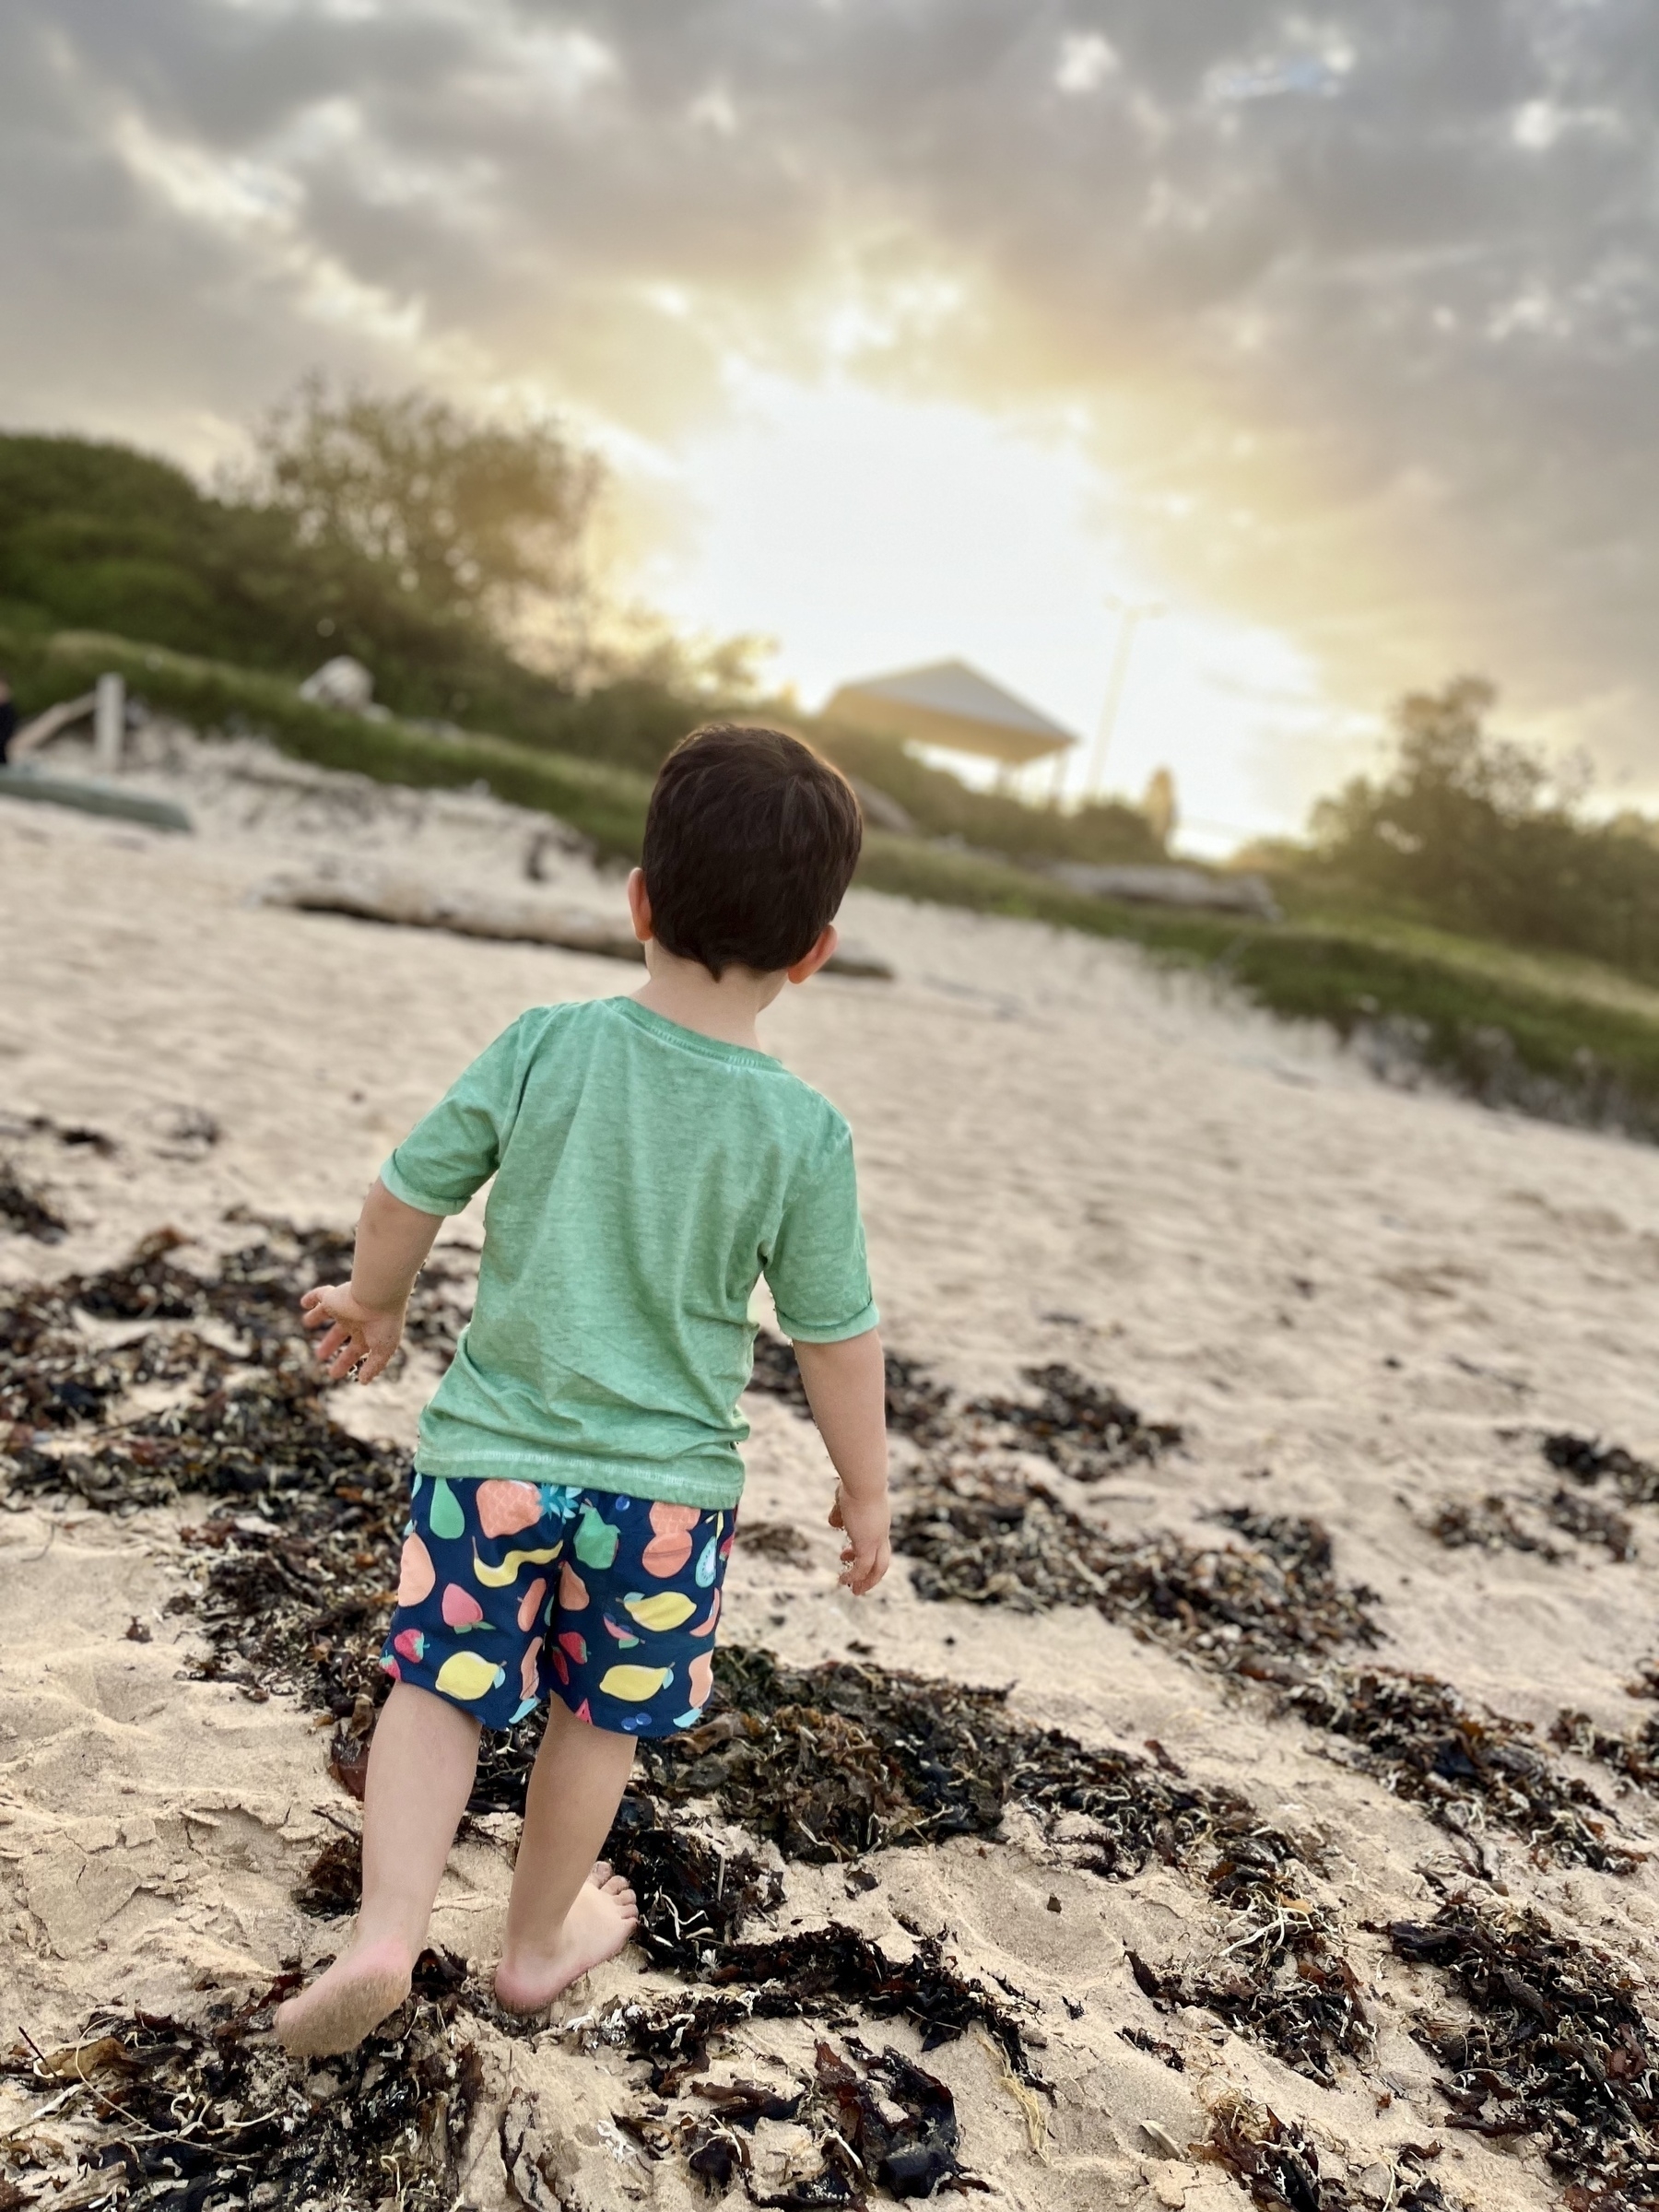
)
(1361, 1304)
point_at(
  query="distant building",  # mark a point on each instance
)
(950, 705)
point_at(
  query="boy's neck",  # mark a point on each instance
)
(725, 1008)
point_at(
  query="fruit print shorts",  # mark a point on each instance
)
(513, 1591)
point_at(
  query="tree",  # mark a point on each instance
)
(1478, 833)
(478, 522)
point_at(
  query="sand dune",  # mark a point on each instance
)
(1359, 1304)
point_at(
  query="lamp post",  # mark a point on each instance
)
(1131, 614)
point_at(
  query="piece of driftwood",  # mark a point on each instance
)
(1170, 887)
(46, 725)
(92, 798)
(409, 905)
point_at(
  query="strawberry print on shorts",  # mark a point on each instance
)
(512, 1592)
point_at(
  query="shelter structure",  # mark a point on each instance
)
(949, 704)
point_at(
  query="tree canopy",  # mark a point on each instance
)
(1481, 834)
(472, 519)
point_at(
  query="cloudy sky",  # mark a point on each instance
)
(921, 327)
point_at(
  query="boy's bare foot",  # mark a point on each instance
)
(338, 2010)
(595, 1928)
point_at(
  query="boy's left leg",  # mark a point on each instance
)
(567, 1913)
(421, 1765)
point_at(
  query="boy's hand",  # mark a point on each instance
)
(866, 1555)
(357, 1335)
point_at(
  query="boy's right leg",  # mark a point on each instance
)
(422, 1766)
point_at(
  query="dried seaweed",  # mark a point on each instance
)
(27, 1212)
(1634, 1754)
(990, 1541)
(1556, 2048)
(1592, 1523)
(1278, 2163)
(1280, 1982)
(269, 1440)
(1488, 1524)
(694, 1897)
(1588, 1460)
(916, 1407)
(1468, 1768)
(73, 1136)
(815, 1973)
(332, 1885)
(52, 1376)
(1086, 1430)
(913, 2155)
(874, 2122)
(780, 1540)
(215, 2113)
(829, 1761)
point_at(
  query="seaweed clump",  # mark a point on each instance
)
(215, 2113)
(829, 1761)
(1588, 1461)
(1467, 1769)
(1487, 1524)
(1086, 1431)
(26, 1211)
(892, 2124)
(1634, 1754)
(1556, 2048)
(813, 1973)
(1281, 1983)
(1276, 2162)
(1592, 1523)
(1256, 1611)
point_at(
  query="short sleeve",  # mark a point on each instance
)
(455, 1150)
(817, 1271)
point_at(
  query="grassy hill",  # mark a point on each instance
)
(1548, 1033)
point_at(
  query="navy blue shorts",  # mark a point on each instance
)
(511, 1592)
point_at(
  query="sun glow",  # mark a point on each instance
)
(865, 532)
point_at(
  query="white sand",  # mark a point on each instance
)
(1382, 1299)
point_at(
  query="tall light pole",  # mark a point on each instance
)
(1131, 614)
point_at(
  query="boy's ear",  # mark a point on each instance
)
(809, 963)
(639, 906)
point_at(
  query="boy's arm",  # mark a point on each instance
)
(364, 1319)
(846, 1388)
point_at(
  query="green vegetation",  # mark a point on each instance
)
(1472, 833)
(605, 804)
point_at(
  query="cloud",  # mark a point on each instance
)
(1360, 303)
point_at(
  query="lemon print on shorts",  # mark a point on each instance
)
(596, 1540)
(634, 1685)
(467, 1675)
(446, 1519)
(667, 1609)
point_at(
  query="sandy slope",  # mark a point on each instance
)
(1361, 1300)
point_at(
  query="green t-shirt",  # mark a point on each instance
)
(646, 1177)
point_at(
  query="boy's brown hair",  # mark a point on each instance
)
(750, 843)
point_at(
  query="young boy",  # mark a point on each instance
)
(578, 1475)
